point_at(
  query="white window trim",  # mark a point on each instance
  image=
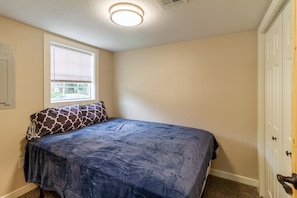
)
(48, 38)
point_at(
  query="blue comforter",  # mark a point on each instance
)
(122, 158)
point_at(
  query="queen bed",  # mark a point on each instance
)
(121, 158)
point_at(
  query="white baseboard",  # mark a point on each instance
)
(233, 177)
(20, 191)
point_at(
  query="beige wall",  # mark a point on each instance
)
(28, 44)
(208, 83)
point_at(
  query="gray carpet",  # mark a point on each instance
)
(222, 188)
(215, 188)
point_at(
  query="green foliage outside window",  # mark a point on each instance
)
(70, 90)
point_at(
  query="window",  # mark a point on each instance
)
(70, 72)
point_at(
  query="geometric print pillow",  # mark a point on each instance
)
(94, 113)
(54, 120)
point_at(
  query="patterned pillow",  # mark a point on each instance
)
(94, 113)
(54, 120)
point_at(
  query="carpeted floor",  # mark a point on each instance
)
(222, 188)
(215, 188)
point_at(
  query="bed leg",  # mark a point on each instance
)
(41, 194)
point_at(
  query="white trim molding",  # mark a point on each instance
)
(49, 38)
(233, 177)
(20, 191)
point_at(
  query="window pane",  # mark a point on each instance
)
(70, 91)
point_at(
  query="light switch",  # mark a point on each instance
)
(7, 77)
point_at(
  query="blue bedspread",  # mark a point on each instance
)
(122, 158)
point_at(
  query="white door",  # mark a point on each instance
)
(278, 102)
(287, 93)
(273, 107)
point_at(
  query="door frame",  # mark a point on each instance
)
(294, 89)
(272, 12)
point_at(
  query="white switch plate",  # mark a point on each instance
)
(21, 162)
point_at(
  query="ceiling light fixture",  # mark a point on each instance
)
(126, 14)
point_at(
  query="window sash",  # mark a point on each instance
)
(61, 91)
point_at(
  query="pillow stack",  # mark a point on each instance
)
(63, 119)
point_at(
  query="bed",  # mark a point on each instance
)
(122, 158)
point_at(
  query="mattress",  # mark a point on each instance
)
(122, 158)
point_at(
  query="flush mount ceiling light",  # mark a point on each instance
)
(126, 14)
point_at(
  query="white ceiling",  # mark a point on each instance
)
(88, 20)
